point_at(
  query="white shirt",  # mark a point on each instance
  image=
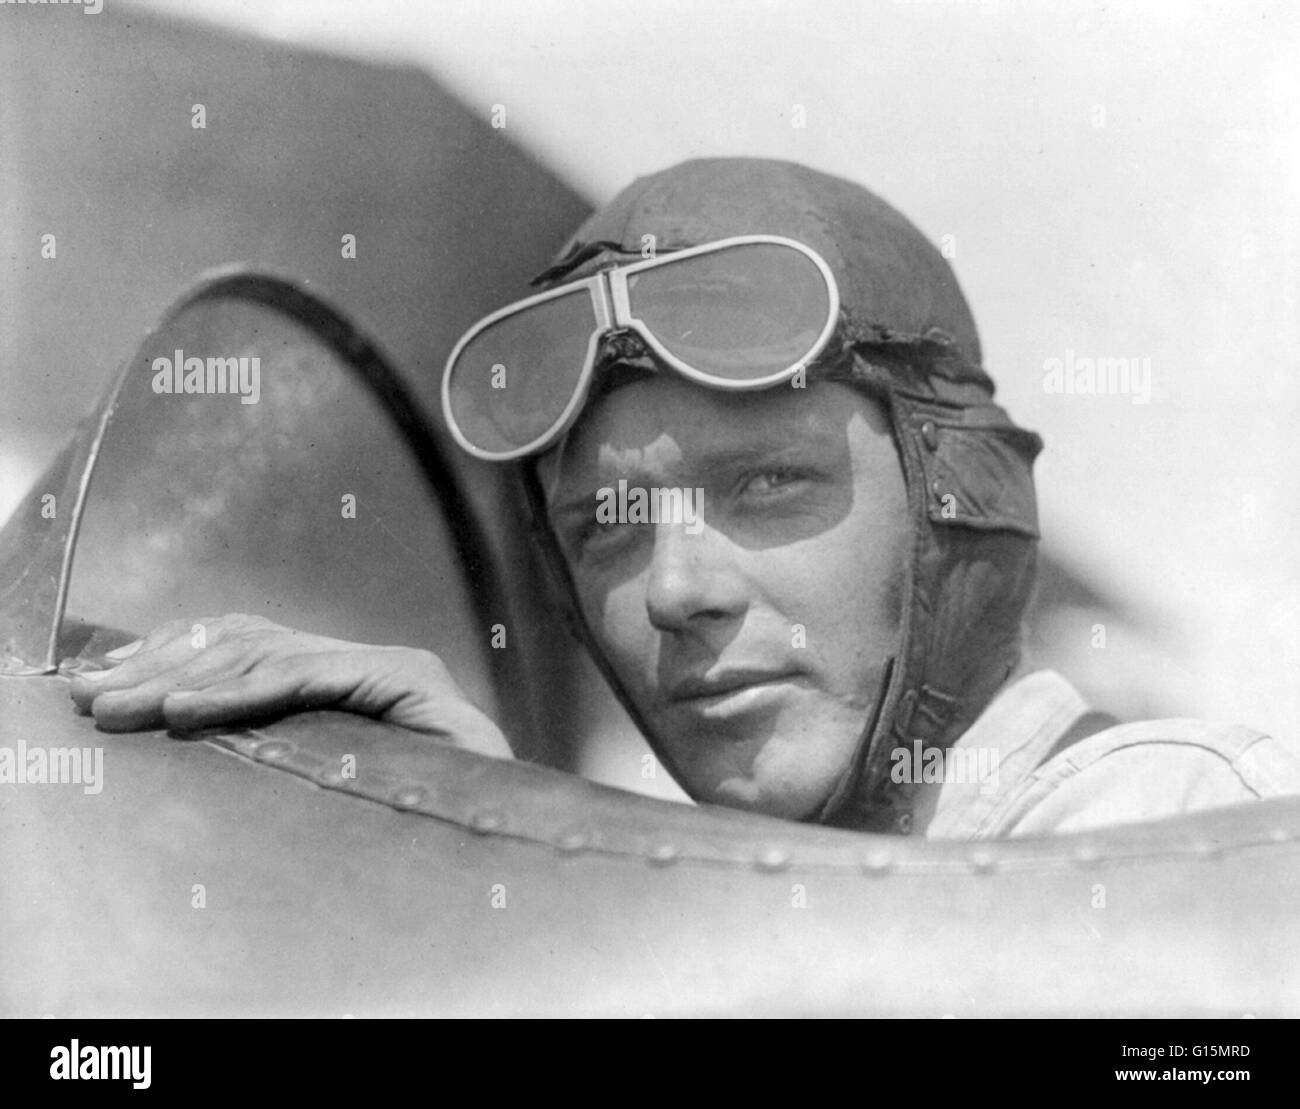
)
(1126, 773)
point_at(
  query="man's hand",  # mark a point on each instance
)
(250, 668)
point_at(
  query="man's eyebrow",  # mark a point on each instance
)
(714, 461)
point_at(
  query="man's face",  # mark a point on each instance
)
(752, 640)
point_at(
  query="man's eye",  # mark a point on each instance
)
(772, 481)
(597, 535)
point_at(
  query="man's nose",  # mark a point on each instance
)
(692, 577)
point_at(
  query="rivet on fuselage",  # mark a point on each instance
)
(1087, 854)
(572, 841)
(877, 861)
(272, 749)
(485, 821)
(408, 797)
(661, 854)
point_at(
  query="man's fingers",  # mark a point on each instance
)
(88, 685)
(248, 668)
(314, 682)
(173, 664)
(270, 690)
(192, 655)
(126, 711)
(135, 705)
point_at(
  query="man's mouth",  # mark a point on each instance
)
(733, 691)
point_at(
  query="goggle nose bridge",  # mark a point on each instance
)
(603, 302)
(613, 306)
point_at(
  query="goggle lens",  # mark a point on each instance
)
(512, 382)
(742, 313)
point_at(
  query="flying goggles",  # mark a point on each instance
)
(737, 314)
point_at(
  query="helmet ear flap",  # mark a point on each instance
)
(969, 579)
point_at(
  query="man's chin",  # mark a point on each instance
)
(784, 765)
(779, 800)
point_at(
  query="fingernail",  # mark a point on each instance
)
(125, 651)
(182, 693)
(96, 675)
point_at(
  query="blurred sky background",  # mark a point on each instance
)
(1119, 180)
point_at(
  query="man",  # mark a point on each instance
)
(797, 534)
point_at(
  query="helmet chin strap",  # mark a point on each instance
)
(836, 804)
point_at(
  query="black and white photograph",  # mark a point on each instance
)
(685, 508)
